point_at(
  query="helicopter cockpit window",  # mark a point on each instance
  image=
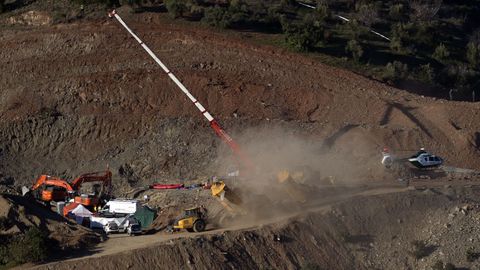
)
(431, 159)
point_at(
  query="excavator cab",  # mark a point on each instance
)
(88, 200)
(192, 220)
(53, 193)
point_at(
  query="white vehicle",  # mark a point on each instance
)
(121, 207)
(128, 225)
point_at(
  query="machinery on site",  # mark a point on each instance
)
(128, 224)
(49, 188)
(228, 198)
(120, 206)
(101, 192)
(192, 220)
(291, 183)
(421, 160)
(54, 189)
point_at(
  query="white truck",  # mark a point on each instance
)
(119, 206)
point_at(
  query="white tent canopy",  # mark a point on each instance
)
(81, 211)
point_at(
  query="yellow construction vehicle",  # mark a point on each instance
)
(291, 183)
(192, 220)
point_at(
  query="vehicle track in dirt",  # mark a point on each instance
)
(123, 243)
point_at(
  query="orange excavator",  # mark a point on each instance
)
(53, 189)
(93, 199)
(56, 189)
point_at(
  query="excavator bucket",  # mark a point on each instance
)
(291, 184)
(220, 190)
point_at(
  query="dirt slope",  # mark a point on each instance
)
(19, 214)
(376, 233)
(82, 96)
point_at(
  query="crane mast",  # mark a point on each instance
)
(245, 162)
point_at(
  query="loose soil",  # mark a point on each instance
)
(83, 96)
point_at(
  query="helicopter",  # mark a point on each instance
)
(422, 159)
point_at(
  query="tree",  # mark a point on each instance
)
(426, 74)
(396, 12)
(2, 5)
(367, 14)
(396, 45)
(395, 71)
(306, 35)
(441, 53)
(424, 10)
(176, 8)
(354, 47)
(473, 54)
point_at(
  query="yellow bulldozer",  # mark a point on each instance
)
(192, 220)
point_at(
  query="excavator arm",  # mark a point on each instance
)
(105, 179)
(51, 181)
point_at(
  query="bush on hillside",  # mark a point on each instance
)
(304, 36)
(473, 54)
(426, 74)
(441, 53)
(397, 12)
(395, 71)
(355, 49)
(31, 247)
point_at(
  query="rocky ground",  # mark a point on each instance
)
(82, 96)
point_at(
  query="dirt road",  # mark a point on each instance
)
(122, 243)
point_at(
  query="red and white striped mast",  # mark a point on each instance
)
(246, 163)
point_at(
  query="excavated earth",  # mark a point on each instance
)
(84, 96)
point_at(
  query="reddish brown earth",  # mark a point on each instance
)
(82, 96)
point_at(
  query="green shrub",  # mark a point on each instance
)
(396, 11)
(426, 74)
(396, 45)
(441, 54)
(215, 16)
(354, 30)
(473, 54)
(367, 14)
(31, 247)
(306, 35)
(355, 49)
(423, 33)
(395, 71)
(176, 8)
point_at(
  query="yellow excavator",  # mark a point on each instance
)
(291, 183)
(229, 199)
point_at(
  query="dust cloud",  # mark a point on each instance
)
(326, 169)
(272, 149)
